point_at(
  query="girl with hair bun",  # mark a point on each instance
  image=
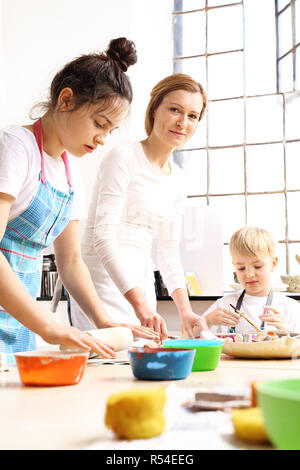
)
(41, 198)
(138, 197)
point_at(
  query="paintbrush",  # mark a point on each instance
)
(244, 316)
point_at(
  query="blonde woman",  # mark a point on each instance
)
(138, 197)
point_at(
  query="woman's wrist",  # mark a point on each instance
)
(185, 313)
(136, 299)
(182, 303)
(139, 308)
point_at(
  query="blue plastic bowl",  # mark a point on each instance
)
(208, 351)
(161, 364)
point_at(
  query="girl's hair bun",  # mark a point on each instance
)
(123, 52)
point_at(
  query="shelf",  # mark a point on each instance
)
(292, 295)
(194, 297)
(50, 298)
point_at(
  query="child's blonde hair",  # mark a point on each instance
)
(252, 241)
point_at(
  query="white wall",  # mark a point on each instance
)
(150, 27)
(37, 37)
(202, 253)
(41, 36)
(152, 33)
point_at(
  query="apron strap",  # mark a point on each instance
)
(67, 168)
(37, 129)
(240, 300)
(239, 304)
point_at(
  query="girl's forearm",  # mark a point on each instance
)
(77, 280)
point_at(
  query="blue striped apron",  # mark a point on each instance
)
(25, 237)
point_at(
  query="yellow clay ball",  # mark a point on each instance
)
(136, 413)
(249, 425)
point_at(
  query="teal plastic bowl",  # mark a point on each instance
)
(208, 352)
(280, 404)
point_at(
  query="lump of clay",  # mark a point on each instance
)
(249, 425)
(136, 413)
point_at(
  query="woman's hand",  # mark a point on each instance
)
(70, 336)
(139, 331)
(272, 317)
(192, 320)
(145, 314)
(152, 320)
(222, 316)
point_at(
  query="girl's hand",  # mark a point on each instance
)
(70, 336)
(274, 318)
(153, 321)
(193, 320)
(222, 316)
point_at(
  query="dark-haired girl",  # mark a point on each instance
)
(40, 198)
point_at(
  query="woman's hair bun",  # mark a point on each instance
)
(123, 52)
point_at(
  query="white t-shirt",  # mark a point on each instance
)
(20, 166)
(252, 307)
(133, 204)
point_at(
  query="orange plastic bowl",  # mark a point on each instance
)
(50, 368)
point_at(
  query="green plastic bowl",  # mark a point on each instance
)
(208, 352)
(280, 403)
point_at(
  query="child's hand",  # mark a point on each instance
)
(222, 316)
(274, 318)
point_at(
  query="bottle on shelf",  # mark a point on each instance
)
(49, 278)
(160, 288)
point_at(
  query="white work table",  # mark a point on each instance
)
(72, 417)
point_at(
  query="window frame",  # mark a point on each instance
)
(178, 60)
(292, 51)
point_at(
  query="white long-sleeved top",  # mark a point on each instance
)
(132, 205)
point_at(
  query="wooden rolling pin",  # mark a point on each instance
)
(118, 337)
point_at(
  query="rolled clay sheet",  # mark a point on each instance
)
(118, 337)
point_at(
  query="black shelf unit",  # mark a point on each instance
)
(49, 271)
(193, 297)
(292, 295)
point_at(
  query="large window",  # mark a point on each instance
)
(245, 156)
(288, 44)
